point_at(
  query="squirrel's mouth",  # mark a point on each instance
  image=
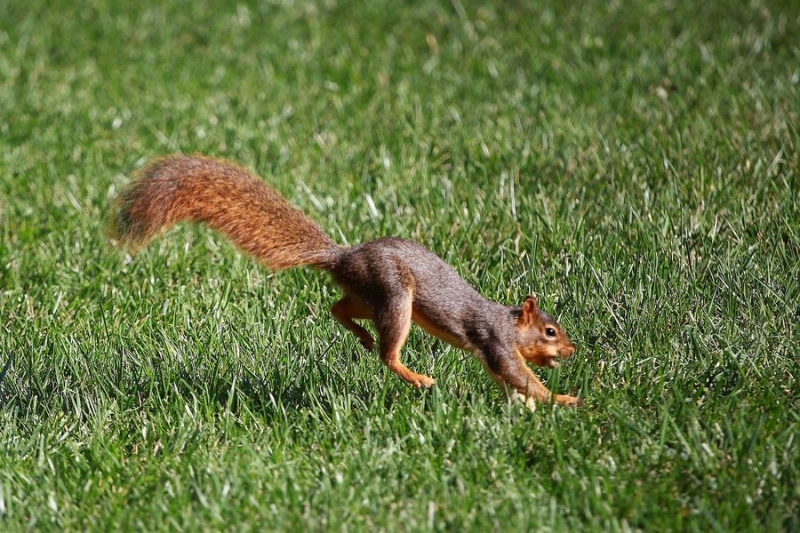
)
(551, 362)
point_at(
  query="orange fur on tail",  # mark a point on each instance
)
(228, 199)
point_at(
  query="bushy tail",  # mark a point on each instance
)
(230, 200)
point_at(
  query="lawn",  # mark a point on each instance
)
(633, 164)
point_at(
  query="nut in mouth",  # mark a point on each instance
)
(551, 362)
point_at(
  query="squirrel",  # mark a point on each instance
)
(390, 281)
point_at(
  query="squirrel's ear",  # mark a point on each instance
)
(529, 311)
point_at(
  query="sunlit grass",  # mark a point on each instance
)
(633, 164)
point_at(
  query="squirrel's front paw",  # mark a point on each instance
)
(569, 401)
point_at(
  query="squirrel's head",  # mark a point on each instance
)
(540, 339)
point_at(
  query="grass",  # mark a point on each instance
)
(633, 164)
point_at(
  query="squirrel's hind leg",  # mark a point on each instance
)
(348, 308)
(393, 322)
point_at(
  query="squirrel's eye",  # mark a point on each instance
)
(550, 332)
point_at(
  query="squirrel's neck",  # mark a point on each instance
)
(497, 325)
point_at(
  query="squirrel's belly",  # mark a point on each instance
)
(438, 332)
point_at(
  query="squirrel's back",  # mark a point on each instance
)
(228, 199)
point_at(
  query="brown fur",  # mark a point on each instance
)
(390, 281)
(230, 200)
